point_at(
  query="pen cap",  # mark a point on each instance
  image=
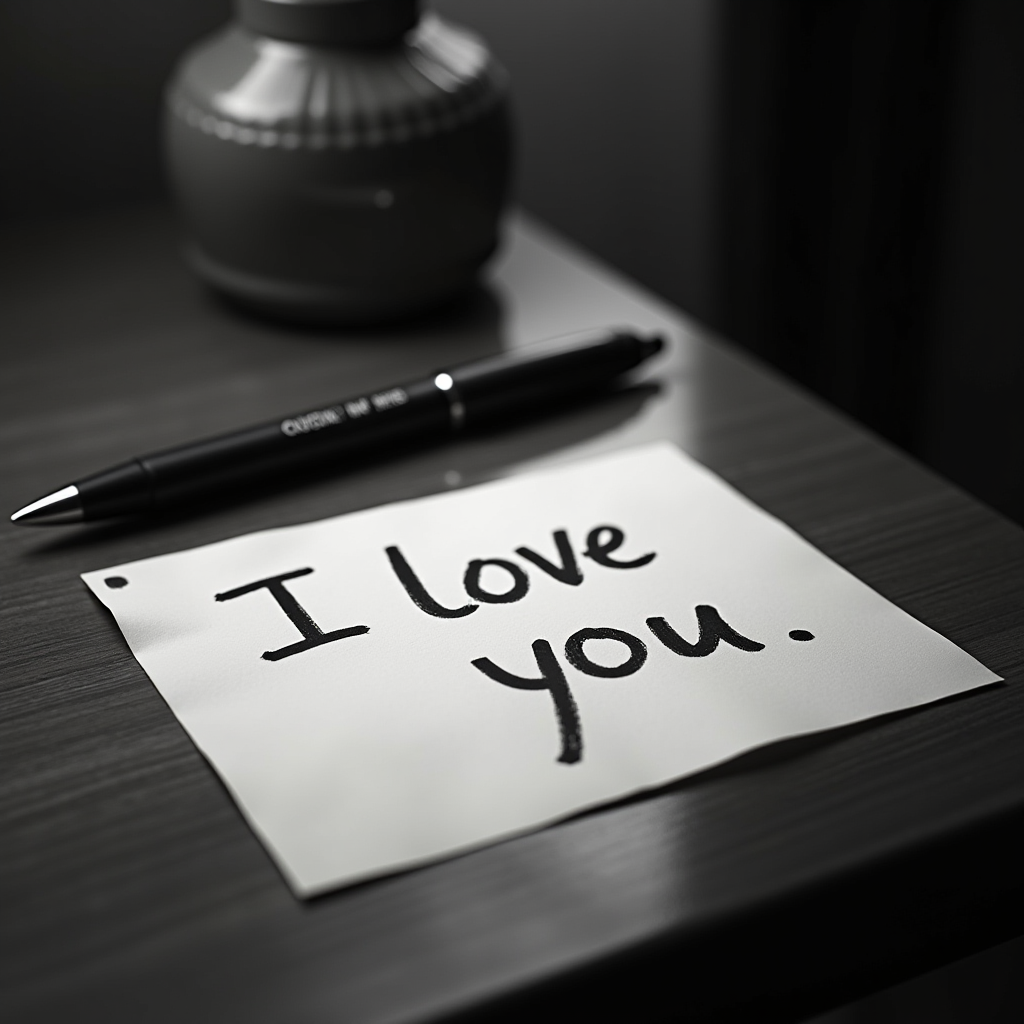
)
(539, 378)
(330, 22)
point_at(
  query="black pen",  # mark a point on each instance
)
(527, 381)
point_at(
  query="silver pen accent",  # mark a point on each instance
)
(443, 382)
(63, 506)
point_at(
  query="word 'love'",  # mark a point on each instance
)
(601, 542)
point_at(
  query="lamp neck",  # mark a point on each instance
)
(355, 23)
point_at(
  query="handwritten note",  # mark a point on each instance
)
(384, 688)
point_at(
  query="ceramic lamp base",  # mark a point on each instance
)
(355, 305)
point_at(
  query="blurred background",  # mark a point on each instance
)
(835, 185)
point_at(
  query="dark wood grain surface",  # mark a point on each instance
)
(769, 887)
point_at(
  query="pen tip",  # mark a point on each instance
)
(63, 506)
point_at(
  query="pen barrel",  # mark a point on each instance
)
(541, 382)
(356, 427)
(533, 381)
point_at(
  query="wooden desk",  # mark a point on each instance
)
(792, 878)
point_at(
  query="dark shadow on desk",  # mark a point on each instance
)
(462, 328)
(472, 308)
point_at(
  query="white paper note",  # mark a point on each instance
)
(384, 688)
